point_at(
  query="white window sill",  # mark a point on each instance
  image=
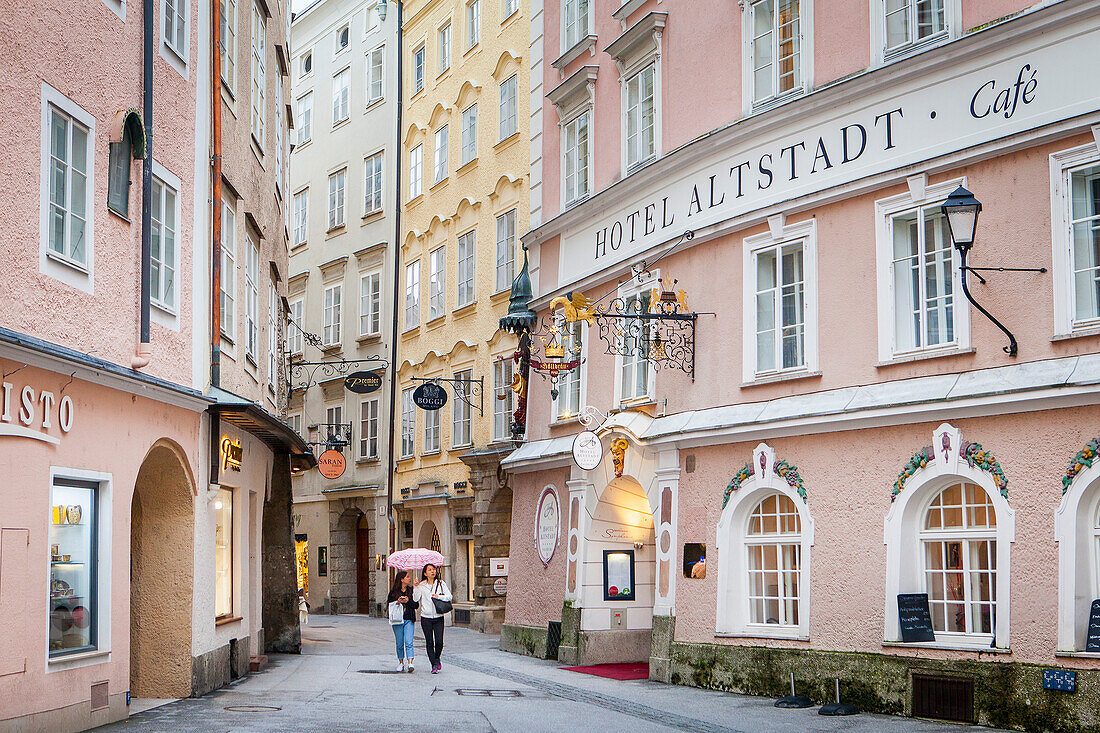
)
(923, 355)
(560, 421)
(81, 659)
(68, 262)
(780, 634)
(375, 214)
(954, 646)
(772, 102)
(1091, 329)
(781, 377)
(368, 459)
(368, 338)
(167, 310)
(912, 48)
(1077, 654)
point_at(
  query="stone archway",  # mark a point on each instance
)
(161, 574)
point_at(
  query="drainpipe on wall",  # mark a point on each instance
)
(141, 358)
(397, 289)
(216, 195)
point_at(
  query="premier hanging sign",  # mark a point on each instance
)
(1025, 83)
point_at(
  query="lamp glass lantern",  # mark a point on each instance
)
(961, 210)
(382, 11)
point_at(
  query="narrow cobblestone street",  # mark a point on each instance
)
(345, 681)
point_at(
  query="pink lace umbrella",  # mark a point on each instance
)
(414, 558)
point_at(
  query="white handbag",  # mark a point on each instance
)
(397, 613)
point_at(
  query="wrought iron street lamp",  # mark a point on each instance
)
(961, 210)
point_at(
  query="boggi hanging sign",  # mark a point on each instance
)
(29, 413)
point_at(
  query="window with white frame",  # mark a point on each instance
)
(227, 48)
(272, 333)
(370, 304)
(503, 398)
(305, 118)
(341, 96)
(774, 549)
(76, 615)
(437, 283)
(301, 217)
(374, 75)
(1077, 532)
(252, 297)
(634, 368)
(294, 420)
(444, 48)
(509, 107)
(641, 116)
(336, 184)
(229, 271)
(331, 317)
(775, 50)
(69, 154)
(780, 301)
(306, 64)
(912, 22)
(1084, 227)
(165, 215)
(510, 6)
(576, 153)
(334, 422)
(958, 540)
(174, 26)
(469, 134)
(223, 553)
(462, 418)
(368, 429)
(506, 250)
(295, 342)
(373, 21)
(372, 184)
(467, 245)
(576, 22)
(431, 431)
(473, 23)
(259, 74)
(567, 403)
(418, 69)
(441, 154)
(408, 423)
(416, 171)
(412, 295)
(923, 267)
(343, 38)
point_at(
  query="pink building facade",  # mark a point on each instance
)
(837, 426)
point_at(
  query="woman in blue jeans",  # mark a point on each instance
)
(402, 594)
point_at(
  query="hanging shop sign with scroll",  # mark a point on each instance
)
(430, 396)
(363, 382)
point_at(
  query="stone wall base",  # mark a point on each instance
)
(218, 667)
(486, 619)
(527, 640)
(660, 655)
(70, 718)
(1006, 694)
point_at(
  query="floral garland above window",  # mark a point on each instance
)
(1082, 460)
(783, 469)
(973, 453)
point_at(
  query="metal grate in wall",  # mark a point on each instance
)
(100, 698)
(943, 698)
(462, 616)
(553, 639)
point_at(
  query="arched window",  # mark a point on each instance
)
(958, 540)
(773, 542)
(1077, 530)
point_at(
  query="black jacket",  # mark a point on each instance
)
(410, 606)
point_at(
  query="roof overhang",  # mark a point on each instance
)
(275, 433)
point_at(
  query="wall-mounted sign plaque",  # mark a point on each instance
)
(547, 525)
(1092, 639)
(429, 396)
(363, 382)
(587, 450)
(232, 453)
(331, 464)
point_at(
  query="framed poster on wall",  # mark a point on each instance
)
(618, 575)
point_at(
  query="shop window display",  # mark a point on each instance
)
(223, 554)
(73, 567)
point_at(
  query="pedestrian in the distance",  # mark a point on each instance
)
(434, 598)
(402, 610)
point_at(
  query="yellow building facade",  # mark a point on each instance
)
(465, 203)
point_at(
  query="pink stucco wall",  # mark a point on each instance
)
(535, 591)
(98, 66)
(112, 432)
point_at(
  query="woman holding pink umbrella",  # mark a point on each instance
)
(402, 608)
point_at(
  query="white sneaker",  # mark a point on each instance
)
(403, 666)
(411, 668)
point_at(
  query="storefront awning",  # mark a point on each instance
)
(249, 416)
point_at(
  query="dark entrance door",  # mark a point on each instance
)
(363, 560)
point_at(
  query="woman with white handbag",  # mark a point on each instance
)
(434, 598)
(402, 612)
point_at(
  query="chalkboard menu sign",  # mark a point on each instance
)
(1092, 641)
(914, 618)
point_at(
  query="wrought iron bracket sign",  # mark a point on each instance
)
(333, 435)
(468, 391)
(304, 374)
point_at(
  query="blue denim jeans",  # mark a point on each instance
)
(403, 634)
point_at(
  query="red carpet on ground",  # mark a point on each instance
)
(622, 671)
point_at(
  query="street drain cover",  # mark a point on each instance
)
(488, 693)
(251, 708)
(381, 671)
(317, 626)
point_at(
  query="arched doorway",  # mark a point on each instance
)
(619, 582)
(429, 536)
(364, 563)
(161, 574)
